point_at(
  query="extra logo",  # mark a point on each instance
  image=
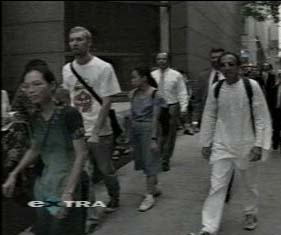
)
(65, 204)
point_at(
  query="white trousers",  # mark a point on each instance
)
(220, 177)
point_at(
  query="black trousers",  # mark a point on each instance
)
(276, 123)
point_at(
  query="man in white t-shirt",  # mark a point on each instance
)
(99, 75)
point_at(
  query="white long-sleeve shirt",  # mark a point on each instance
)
(174, 87)
(227, 123)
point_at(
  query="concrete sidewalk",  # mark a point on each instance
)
(185, 186)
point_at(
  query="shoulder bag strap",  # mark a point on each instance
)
(81, 80)
(249, 92)
(154, 93)
(217, 88)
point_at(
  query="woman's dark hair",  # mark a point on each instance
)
(238, 61)
(34, 63)
(48, 75)
(216, 50)
(145, 72)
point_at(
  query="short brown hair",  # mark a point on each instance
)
(87, 33)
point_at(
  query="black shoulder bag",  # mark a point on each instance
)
(117, 131)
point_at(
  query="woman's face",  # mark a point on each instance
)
(37, 89)
(137, 80)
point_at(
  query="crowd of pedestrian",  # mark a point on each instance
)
(69, 131)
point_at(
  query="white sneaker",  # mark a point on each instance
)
(157, 192)
(147, 203)
(27, 231)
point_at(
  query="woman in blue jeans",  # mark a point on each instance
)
(145, 111)
(58, 138)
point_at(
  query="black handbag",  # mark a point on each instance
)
(117, 130)
(164, 117)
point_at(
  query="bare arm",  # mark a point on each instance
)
(30, 157)
(209, 120)
(81, 154)
(155, 120)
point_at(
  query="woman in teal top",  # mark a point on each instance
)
(58, 136)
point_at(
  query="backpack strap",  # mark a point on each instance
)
(217, 88)
(83, 82)
(249, 92)
(154, 93)
(132, 94)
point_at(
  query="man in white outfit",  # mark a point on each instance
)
(231, 138)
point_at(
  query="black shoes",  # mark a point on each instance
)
(165, 167)
(188, 132)
(275, 145)
(112, 206)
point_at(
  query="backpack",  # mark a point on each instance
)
(249, 92)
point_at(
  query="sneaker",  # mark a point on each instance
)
(91, 226)
(196, 130)
(147, 203)
(275, 145)
(112, 206)
(201, 233)
(115, 157)
(157, 192)
(250, 222)
(165, 167)
(127, 151)
(188, 132)
(27, 231)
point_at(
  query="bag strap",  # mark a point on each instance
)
(82, 81)
(154, 93)
(217, 88)
(46, 134)
(249, 92)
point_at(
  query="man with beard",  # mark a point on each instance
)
(100, 76)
